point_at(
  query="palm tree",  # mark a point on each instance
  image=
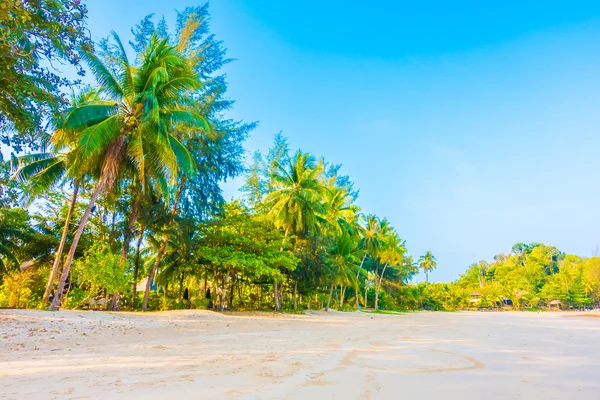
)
(345, 256)
(295, 202)
(370, 244)
(410, 267)
(42, 171)
(180, 250)
(134, 124)
(391, 254)
(338, 211)
(427, 263)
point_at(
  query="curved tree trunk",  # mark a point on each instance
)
(163, 247)
(110, 168)
(56, 302)
(159, 256)
(329, 299)
(61, 246)
(136, 267)
(378, 287)
(357, 282)
(116, 297)
(129, 229)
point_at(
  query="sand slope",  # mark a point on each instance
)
(205, 355)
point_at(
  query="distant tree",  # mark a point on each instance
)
(295, 202)
(427, 263)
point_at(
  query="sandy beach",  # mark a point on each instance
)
(205, 355)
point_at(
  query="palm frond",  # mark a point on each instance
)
(137, 155)
(103, 75)
(45, 179)
(86, 115)
(189, 118)
(31, 164)
(126, 73)
(5, 252)
(97, 138)
(183, 156)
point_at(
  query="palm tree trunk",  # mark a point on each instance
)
(161, 253)
(275, 284)
(113, 230)
(125, 250)
(295, 295)
(329, 299)
(357, 282)
(129, 229)
(56, 302)
(110, 167)
(378, 287)
(136, 267)
(181, 285)
(276, 296)
(342, 294)
(61, 245)
(163, 247)
(366, 292)
(231, 292)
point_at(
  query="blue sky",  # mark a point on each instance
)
(470, 126)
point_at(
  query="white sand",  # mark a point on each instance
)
(204, 355)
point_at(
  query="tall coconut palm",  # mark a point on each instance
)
(295, 202)
(427, 263)
(41, 172)
(345, 256)
(134, 124)
(370, 245)
(391, 254)
(410, 267)
(338, 213)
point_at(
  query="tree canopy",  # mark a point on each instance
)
(34, 37)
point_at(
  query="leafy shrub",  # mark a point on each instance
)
(99, 271)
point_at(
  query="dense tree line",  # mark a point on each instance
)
(114, 199)
(120, 197)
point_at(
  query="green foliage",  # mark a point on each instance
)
(243, 245)
(10, 189)
(533, 275)
(22, 239)
(16, 289)
(34, 34)
(147, 148)
(100, 272)
(427, 263)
